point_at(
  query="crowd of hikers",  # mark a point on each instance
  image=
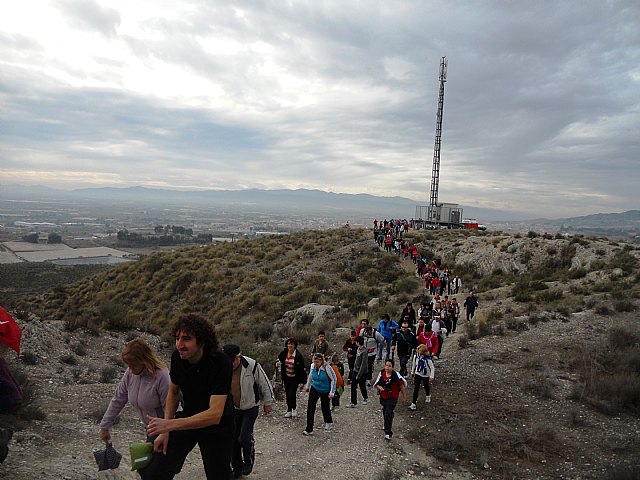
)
(210, 395)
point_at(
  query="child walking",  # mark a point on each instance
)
(338, 369)
(390, 384)
(423, 371)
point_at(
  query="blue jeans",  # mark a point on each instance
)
(243, 442)
(388, 342)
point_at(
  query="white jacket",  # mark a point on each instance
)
(430, 371)
(254, 385)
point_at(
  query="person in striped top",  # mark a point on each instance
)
(293, 373)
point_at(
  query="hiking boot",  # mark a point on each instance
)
(365, 401)
(306, 434)
(428, 400)
(328, 427)
(412, 406)
(288, 414)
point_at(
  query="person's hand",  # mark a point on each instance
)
(268, 409)
(430, 380)
(161, 443)
(331, 395)
(156, 426)
(306, 389)
(105, 436)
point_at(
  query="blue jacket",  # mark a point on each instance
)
(387, 329)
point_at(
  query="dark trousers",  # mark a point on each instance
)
(290, 389)
(335, 401)
(388, 406)
(371, 359)
(314, 395)
(355, 383)
(403, 364)
(440, 342)
(417, 379)
(470, 313)
(351, 361)
(454, 322)
(244, 452)
(215, 448)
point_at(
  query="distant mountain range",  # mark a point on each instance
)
(619, 224)
(336, 205)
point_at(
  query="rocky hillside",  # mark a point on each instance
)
(549, 363)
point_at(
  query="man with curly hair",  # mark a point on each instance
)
(203, 373)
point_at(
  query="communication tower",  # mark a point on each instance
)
(439, 214)
(435, 170)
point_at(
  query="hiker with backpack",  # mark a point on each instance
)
(360, 374)
(387, 328)
(321, 385)
(390, 385)
(405, 343)
(249, 387)
(423, 371)
(372, 338)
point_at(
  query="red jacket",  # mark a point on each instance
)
(430, 340)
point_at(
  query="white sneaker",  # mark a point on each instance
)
(294, 413)
(306, 434)
(288, 414)
(352, 405)
(328, 427)
(365, 401)
(428, 400)
(387, 437)
(412, 406)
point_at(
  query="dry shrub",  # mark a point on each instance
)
(603, 309)
(541, 386)
(484, 328)
(610, 378)
(471, 331)
(463, 341)
(516, 324)
(624, 306)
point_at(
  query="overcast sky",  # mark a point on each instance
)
(541, 111)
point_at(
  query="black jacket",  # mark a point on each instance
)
(405, 342)
(298, 365)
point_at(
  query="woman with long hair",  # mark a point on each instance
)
(144, 385)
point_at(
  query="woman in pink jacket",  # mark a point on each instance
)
(144, 385)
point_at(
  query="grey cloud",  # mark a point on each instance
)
(90, 15)
(542, 105)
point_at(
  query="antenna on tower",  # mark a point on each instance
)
(435, 170)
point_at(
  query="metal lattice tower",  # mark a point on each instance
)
(435, 171)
